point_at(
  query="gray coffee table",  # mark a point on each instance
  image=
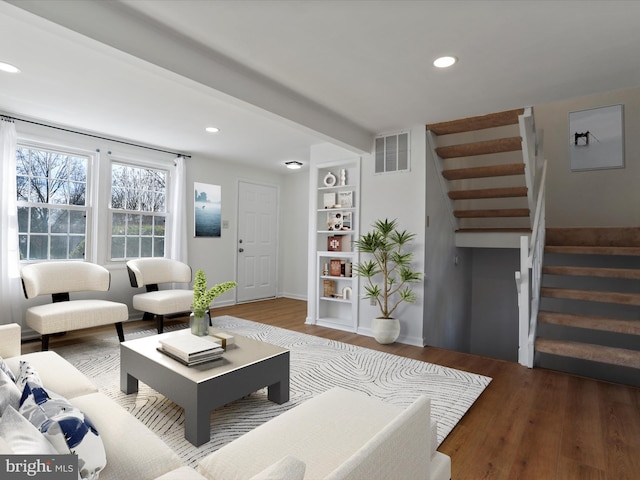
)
(244, 368)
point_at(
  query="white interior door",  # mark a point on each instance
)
(257, 241)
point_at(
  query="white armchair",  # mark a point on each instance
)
(156, 303)
(59, 279)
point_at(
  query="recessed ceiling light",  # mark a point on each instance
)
(293, 164)
(212, 129)
(444, 62)
(7, 67)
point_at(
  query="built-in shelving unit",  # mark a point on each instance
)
(334, 219)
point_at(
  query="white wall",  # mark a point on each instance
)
(294, 227)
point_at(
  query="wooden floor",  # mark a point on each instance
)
(528, 423)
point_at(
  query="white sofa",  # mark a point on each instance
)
(339, 434)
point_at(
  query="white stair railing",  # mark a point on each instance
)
(528, 279)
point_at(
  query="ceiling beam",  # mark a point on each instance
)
(119, 26)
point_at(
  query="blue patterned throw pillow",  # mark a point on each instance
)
(64, 425)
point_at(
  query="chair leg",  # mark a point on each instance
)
(45, 342)
(120, 331)
(160, 322)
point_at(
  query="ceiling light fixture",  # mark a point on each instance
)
(444, 62)
(293, 164)
(212, 129)
(7, 67)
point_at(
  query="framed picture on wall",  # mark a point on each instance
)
(207, 213)
(596, 138)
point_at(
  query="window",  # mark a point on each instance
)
(138, 211)
(52, 203)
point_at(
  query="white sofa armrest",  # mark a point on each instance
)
(10, 340)
(400, 450)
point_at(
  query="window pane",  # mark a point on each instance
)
(118, 224)
(59, 220)
(59, 247)
(76, 246)
(133, 224)
(23, 219)
(117, 247)
(158, 247)
(39, 220)
(147, 225)
(146, 247)
(38, 247)
(133, 247)
(159, 226)
(22, 242)
(39, 192)
(77, 193)
(78, 222)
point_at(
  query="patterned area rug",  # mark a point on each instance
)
(317, 364)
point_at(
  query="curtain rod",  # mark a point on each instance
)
(9, 117)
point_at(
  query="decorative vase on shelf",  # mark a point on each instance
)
(200, 325)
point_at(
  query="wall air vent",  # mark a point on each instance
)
(392, 153)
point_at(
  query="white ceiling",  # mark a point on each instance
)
(279, 76)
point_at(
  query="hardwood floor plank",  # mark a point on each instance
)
(570, 470)
(582, 436)
(621, 430)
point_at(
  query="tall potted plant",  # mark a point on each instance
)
(202, 299)
(388, 273)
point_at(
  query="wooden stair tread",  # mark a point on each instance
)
(591, 295)
(505, 192)
(492, 213)
(484, 172)
(594, 236)
(500, 145)
(628, 273)
(591, 322)
(592, 250)
(480, 122)
(586, 351)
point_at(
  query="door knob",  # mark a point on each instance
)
(241, 250)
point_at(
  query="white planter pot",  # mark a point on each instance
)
(386, 330)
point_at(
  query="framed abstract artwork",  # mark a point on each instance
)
(207, 214)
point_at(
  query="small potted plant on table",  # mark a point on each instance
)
(202, 299)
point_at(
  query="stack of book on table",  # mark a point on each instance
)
(190, 349)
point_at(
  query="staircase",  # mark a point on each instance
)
(589, 317)
(489, 165)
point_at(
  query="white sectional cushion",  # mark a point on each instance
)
(22, 437)
(74, 315)
(182, 473)
(58, 375)
(164, 302)
(133, 451)
(313, 432)
(289, 468)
